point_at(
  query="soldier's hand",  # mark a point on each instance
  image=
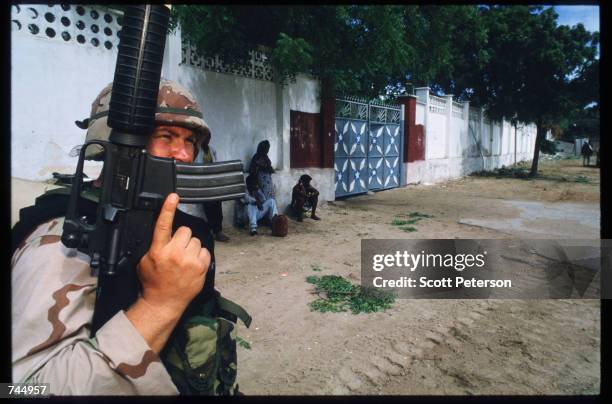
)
(172, 272)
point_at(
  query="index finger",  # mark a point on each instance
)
(162, 233)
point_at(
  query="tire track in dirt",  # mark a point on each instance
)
(480, 330)
(397, 355)
(515, 347)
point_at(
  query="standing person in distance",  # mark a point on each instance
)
(213, 210)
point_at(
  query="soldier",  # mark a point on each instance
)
(53, 291)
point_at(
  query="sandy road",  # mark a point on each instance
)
(417, 346)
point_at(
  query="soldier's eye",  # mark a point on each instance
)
(164, 135)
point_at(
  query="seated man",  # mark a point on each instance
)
(304, 193)
(256, 205)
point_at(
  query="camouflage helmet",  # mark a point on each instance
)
(175, 106)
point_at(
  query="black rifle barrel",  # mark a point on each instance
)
(137, 73)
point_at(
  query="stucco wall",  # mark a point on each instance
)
(435, 136)
(420, 114)
(435, 170)
(457, 140)
(461, 140)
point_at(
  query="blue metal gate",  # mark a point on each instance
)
(368, 140)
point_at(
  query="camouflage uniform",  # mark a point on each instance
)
(53, 296)
(51, 317)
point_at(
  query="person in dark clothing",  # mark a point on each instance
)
(261, 168)
(213, 210)
(304, 194)
(587, 152)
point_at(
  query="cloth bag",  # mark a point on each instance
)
(280, 225)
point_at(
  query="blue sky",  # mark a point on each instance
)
(572, 15)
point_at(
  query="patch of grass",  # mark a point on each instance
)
(334, 285)
(327, 305)
(243, 343)
(316, 268)
(583, 179)
(340, 295)
(504, 172)
(371, 300)
(399, 222)
(420, 215)
(414, 218)
(312, 279)
(403, 222)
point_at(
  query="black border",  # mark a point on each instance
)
(606, 233)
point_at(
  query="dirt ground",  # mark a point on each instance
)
(418, 347)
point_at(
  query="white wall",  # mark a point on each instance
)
(240, 112)
(457, 139)
(420, 113)
(458, 143)
(435, 136)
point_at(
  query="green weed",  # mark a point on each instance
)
(312, 279)
(399, 222)
(504, 172)
(370, 300)
(420, 215)
(243, 343)
(583, 179)
(403, 222)
(414, 218)
(340, 295)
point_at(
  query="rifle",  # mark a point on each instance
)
(135, 183)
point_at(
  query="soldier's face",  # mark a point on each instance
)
(173, 142)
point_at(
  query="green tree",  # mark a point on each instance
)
(449, 47)
(516, 61)
(352, 49)
(361, 50)
(581, 123)
(535, 68)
